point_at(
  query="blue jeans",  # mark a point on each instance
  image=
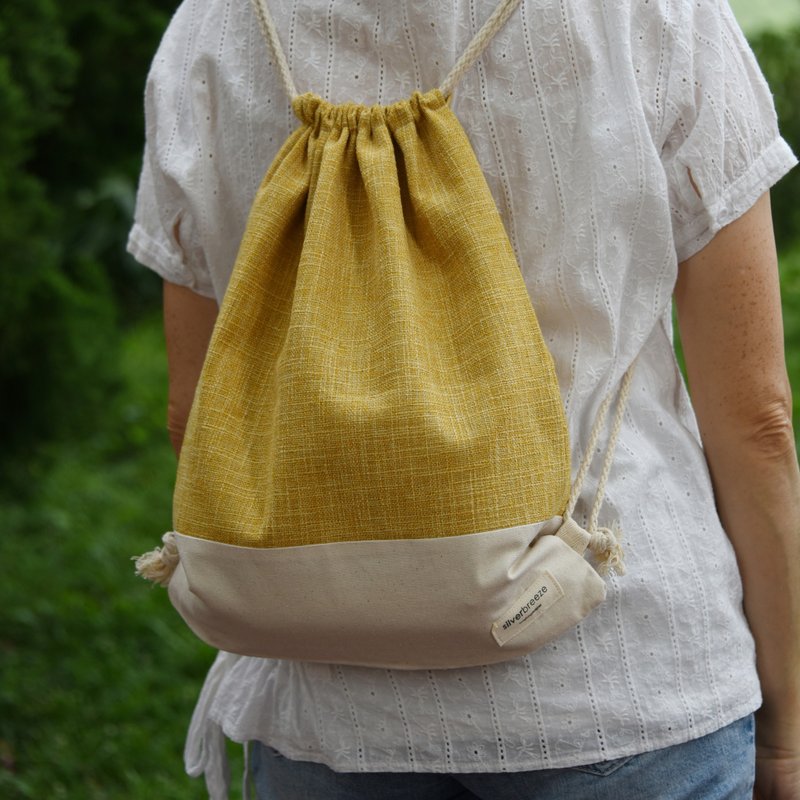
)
(719, 766)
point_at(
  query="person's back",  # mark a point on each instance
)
(617, 141)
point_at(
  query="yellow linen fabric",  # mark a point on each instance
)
(377, 370)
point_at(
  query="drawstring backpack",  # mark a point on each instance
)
(376, 469)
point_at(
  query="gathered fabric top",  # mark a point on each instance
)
(311, 109)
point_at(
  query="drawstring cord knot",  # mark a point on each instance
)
(606, 546)
(159, 564)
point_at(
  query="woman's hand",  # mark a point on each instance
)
(777, 773)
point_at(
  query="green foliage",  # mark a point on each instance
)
(779, 57)
(776, 15)
(92, 162)
(33, 89)
(71, 78)
(98, 675)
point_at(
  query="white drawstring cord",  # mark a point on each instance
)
(603, 542)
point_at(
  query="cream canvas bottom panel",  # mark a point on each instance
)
(405, 604)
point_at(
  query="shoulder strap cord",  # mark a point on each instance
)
(271, 35)
(473, 52)
(478, 44)
(603, 542)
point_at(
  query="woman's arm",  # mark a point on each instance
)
(188, 321)
(729, 314)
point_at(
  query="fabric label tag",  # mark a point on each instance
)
(530, 606)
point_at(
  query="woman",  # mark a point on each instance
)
(629, 150)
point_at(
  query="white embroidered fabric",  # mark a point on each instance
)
(594, 123)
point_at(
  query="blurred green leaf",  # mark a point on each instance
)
(779, 57)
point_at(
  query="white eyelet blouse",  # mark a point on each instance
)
(594, 123)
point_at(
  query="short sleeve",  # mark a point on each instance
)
(166, 235)
(721, 149)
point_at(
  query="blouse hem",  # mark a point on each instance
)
(675, 737)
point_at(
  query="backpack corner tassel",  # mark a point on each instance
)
(159, 564)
